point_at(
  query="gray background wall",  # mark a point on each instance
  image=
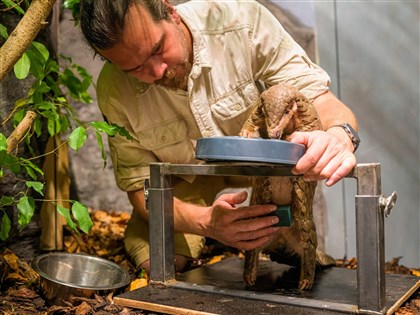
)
(371, 51)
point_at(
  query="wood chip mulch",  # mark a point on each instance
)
(20, 284)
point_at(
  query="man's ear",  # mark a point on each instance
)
(172, 12)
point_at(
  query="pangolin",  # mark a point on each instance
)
(284, 110)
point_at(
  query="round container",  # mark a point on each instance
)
(65, 276)
(234, 148)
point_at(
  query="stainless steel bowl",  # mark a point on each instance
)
(65, 276)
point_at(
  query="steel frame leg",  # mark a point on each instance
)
(161, 225)
(370, 244)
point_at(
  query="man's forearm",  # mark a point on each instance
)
(333, 112)
(188, 218)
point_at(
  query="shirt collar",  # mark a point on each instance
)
(200, 56)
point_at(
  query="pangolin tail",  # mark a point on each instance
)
(324, 260)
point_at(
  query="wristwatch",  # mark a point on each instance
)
(354, 137)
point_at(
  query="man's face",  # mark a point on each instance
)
(153, 52)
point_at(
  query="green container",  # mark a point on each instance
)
(284, 213)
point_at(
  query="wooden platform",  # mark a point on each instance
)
(219, 289)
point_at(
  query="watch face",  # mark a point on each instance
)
(352, 134)
(355, 134)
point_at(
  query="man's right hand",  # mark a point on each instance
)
(240, 227)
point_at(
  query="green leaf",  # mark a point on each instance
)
(3, 142)
(74, 6)
(101, 146)
(50, 114)
(52, 83)
(32, 166)
(66, 214)
(37, 186)
(37, 64)
(44, 106)
(10, 162)
(85, 97)
(3, 31)
(26, 206)
(43, 51)
(65, 124)
(18, 116)
(10, 3)
(72, 83)
(123, 132)
(110, 129)
(5, 227)
(81, 214)
(102, 126)
(38, 126)
(30, 172)
(21, 102)
(77, 138)
(52, 127)
(42, 87)
(52, 66)
(21, 68)
(6, 201)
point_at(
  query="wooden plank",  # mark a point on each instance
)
(160, 308)
(178, 301)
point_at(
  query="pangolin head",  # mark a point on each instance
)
(280, 105)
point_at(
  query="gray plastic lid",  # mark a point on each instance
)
(234, 148)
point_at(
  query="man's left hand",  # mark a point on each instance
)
(326, 157)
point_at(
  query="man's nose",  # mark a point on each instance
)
(157, 69)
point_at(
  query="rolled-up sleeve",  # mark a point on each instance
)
(131, 164)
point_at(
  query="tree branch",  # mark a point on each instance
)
(24, 33)
(17, 135)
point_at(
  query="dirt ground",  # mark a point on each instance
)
(20, 290)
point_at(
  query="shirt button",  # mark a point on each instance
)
(207, 133)
(238, 107)
(163, 139)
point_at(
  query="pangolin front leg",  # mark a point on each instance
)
(254, 127)
(252, 256)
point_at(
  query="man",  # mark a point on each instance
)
(177, 74)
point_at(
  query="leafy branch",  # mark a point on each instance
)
(46, 103)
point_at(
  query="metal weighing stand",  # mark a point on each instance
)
(219, 288)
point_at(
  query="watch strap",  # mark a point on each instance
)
(354, 137)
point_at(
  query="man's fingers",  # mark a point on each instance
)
(326, 157)
(346, 166)
(234, 198)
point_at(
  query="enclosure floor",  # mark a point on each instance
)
(219, 289)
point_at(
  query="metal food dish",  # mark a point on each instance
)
(65, 276)
(248, 150)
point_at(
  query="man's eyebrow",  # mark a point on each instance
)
(155, 48)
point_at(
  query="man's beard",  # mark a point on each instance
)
(170, 79)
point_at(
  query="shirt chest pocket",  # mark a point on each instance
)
(168, 141)
(233, 109)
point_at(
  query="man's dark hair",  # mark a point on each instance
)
(102, 21)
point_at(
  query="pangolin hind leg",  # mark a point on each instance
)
(251, 266)
(303, 194)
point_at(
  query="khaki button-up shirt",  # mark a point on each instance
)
(236, 44)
